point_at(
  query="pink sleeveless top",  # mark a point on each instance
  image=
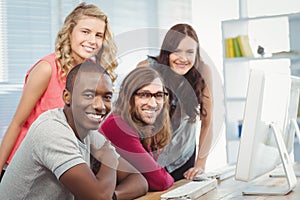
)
(52, 98)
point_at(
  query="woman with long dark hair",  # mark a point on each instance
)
(191, 103)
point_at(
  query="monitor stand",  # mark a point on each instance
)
(295, 129)
(287, 166)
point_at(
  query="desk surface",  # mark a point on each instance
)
(232, 189)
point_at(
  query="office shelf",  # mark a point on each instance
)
(279, 35)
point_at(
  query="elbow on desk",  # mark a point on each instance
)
(142, 186)
(160, 186)
(159, 183)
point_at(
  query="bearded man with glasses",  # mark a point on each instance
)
(139, 126)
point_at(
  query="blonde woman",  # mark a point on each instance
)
(84, 34)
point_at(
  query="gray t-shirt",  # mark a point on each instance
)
(49, 149)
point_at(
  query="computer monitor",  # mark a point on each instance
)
(292, 126)
(262, 145)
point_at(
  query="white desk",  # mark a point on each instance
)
(232, 189)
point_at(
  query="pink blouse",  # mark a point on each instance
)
(52, 98)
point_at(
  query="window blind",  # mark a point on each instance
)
(28, 29)
(27, 33)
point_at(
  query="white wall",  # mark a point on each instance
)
(206, 19)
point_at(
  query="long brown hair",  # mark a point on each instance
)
(157, 135)
(194, 78)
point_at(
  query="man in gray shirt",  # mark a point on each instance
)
(62, 157)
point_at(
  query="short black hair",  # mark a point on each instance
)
(87, 66)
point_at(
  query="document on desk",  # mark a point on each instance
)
(190, 190)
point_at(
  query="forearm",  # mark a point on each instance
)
(157, 176)
(82, 182)
(205, 141)
(107, 178)
(206, 132)
(159, 180)
(36, 84)
(132, 187)
(8, 143)
(201, 162)
(107, 174)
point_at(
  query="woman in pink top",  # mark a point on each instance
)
(85, 33)
(139, 126)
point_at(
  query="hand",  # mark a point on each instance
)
(192, 172)
(107, 154)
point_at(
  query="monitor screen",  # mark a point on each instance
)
(262, 145)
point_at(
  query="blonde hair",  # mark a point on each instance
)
(107, 53)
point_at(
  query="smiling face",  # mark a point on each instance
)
(147, 109)
(183, 57)
(87, 38)
(90, 101)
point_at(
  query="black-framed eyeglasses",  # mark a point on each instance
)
(159, 96)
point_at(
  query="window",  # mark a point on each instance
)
(3, 43)
(27, 33)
